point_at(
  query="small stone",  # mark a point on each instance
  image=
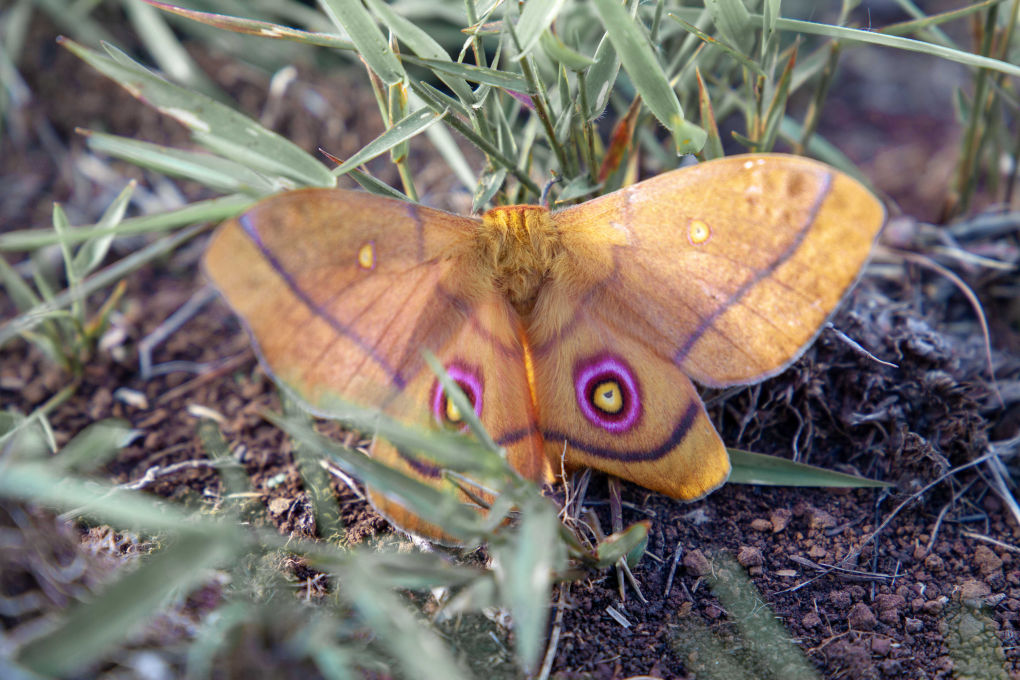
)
(840, 599)
(917, 604)
(761, 524)
(749, 556)
(780, 518)
(972, 589)
(817, 552)
(889, 607)
(891, 668)
(861, 617)
(713, 612)
(986, 560)
(881, 645)
(934, 607)
(811, 620)
(819, 519)
(934, 563)
(697, 563)
(913, 625)
(279, 506)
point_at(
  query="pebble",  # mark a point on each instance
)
(749, 556)
(760, 524)
(697, 563)
(861, 617)
(986, 560)
(780, 519)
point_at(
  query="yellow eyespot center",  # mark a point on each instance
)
(608, 397)
(452, 412)
(366, 256)
(698, 232)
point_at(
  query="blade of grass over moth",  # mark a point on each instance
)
(713, 143)
(213, 124)
(453, 391)
(440, 508)
(757, 468)
(524, 570)
(263, 29)
(372, 46)
(403, 130)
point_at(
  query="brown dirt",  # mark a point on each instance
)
(865, 587)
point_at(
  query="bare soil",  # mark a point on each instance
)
(921, 581)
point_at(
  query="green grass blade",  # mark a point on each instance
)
(504, 80)
(423, 45)
(263, 29)
(92, 629)
(403, 130)
(213, 124)
(372, 46)
(644, 69)
(733, 22)
(757, 468)
(418, 650)
(536, 17)
(97, 281)
(93, 251)
(525, 567)
(601, 77)
(96, 445)
(857, 35)
(221, 174)
(160, 41)
(213, 210)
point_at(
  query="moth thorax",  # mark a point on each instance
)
(521, 242)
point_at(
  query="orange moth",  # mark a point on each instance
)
(573, 333)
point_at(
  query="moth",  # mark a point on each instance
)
(575, 333)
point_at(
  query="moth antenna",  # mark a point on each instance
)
(544, 199)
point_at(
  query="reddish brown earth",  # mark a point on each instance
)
(868, 584)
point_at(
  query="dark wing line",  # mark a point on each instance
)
(676, 437)
(706, 323)
(515, 436)
(249, 228)
(468, 311)
(382, 333)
